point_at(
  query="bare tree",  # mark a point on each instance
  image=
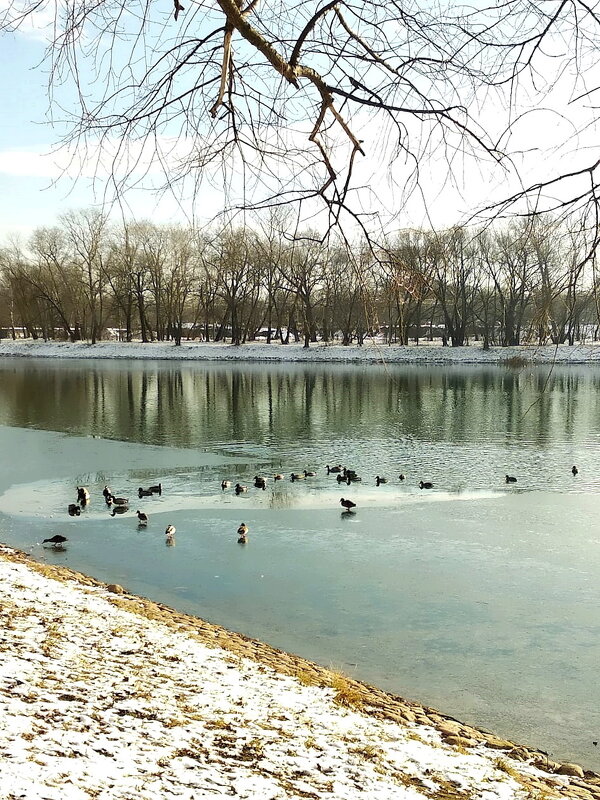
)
(454, 280)
(231, 256)
(302, 274)
(290, 97)
(405, 274)
(85, 234)
(119, 273)
(180, 280)
(56, 281)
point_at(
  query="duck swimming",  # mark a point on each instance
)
(510, 479)
(379, 481)
(225, 485)
(239, 488)
(117, 501)
(74, 510)
(425, 485)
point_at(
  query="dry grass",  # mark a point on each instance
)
(174, 722)
(218, 724)
(306, 677)
(346, 694)
(51, 640)
(503, 765)
(368, 751)
(252, 750)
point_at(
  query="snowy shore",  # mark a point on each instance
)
(373, 352)
(108, 695)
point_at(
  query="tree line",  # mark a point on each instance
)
(529, 280)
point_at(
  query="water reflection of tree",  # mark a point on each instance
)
(193, 406)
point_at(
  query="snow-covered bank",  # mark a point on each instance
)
(373, 352)
(107, 695)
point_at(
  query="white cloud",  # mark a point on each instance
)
(28, 19)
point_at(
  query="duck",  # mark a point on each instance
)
(56, 541)
(142, 517)
(74, 510)
(379, 480)
(239, 488)
(348, 504)
(260, 482)
(170, 531)
(242, 533)
(425, 485)
(156, 489)
(574, 470)
(348, 473)
(278, 477)
(333, 469)
(83, 496)
(144, 493)
(510, 479)
(225, 485)
(296, 476)
(119, 501)
(309, 474)
(106, 492)
(341, 479)
(353, 478)
(402, 476)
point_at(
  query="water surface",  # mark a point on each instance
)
(477, 597)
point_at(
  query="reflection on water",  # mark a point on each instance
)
(198, 405)
(476, 597)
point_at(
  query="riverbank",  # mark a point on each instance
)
(372, 352)
(108, 695)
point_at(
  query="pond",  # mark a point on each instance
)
(478, 597)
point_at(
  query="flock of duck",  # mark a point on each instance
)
(343, 475)
(120, 505)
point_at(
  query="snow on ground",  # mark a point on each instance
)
(100, 702)
(373, 352)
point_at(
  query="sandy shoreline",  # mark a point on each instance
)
(373, 352)
(109, 695)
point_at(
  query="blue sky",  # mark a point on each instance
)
(33, 192)
(27, 197)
